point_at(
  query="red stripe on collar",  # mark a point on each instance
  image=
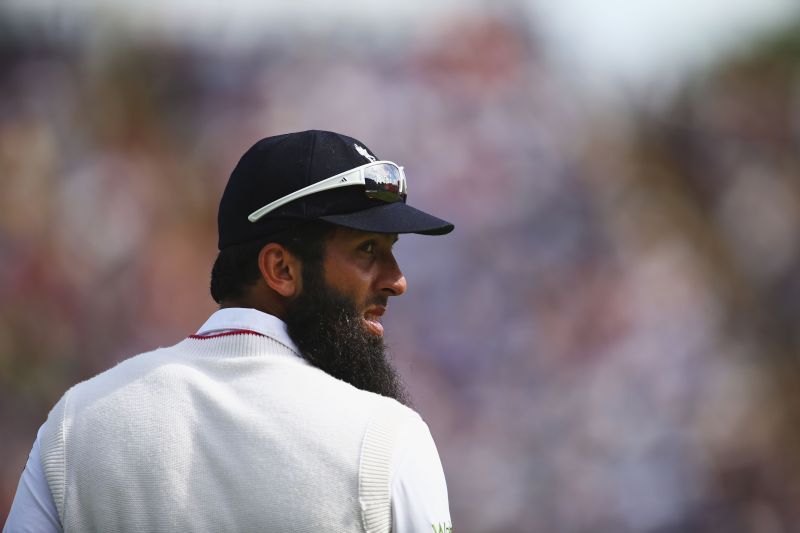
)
(226, 333)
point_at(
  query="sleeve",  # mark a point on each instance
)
(33, 509)
(419, 490)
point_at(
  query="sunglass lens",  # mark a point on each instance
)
(384, 182)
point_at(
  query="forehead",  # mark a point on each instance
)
(343, 235)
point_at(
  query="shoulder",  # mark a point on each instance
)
(328, 391)
(419, 490)
(401, 476)
(123, 372)
(122, 387)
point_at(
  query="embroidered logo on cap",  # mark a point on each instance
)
(363, 151)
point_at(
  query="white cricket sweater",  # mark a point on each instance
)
(234, 432)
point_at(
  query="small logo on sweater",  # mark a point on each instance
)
(442, 527)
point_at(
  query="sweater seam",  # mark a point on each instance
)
(377, 469)
(226, 334)
(64, 464)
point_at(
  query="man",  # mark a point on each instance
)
(281, 413)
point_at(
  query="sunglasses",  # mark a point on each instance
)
(382, 180)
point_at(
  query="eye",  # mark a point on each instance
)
(367, 247)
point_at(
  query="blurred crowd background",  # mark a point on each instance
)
(609, 340)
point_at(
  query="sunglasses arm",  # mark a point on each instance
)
(341, 180)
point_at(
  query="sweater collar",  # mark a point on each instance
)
(241, 318)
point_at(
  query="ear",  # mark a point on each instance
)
(280, 269)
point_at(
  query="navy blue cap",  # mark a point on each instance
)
(279, 165)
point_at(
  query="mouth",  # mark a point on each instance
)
(372, 322)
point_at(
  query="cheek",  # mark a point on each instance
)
(357, 285)
(349, 278)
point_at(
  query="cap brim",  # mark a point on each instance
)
(395, 217)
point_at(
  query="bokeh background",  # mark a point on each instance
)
(609, 340)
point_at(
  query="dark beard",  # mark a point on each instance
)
(327, 328)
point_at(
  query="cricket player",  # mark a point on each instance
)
(281, 413)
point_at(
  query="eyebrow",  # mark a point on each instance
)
(394, 239)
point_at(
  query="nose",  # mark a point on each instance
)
(392, 281)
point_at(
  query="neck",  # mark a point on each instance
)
(272, 306)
